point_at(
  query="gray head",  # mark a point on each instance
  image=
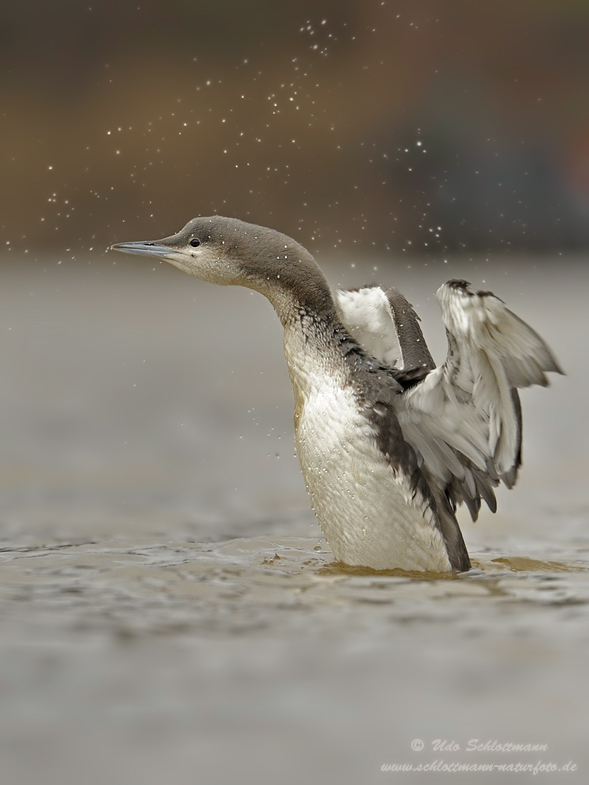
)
(228, 251)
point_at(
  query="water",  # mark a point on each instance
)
(169, 610)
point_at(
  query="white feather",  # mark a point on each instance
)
(367, 315)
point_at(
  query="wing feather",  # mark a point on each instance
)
(470, 406)
(463, 419)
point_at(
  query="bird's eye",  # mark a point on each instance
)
(195, 242)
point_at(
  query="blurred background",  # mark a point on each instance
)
(169, 611)
(420, 127)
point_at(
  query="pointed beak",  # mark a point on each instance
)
(143, 249)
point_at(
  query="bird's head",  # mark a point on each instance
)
(229, 251)
(225, 251)
(207, 248)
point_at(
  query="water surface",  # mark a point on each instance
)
(169, 611)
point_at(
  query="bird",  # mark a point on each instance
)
(389, 444)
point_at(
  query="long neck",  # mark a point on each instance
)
(315, 340)
(293, 282)
(287, 274)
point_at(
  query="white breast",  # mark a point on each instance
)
(365, 509)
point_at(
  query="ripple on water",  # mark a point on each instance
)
(254, 579)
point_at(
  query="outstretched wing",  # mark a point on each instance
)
(464, 418)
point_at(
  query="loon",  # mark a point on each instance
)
(389, 444)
